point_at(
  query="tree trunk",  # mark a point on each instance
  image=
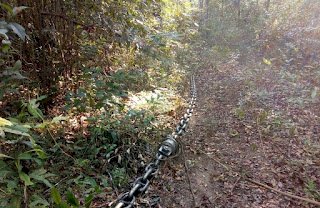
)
(237, 5)
(267, 5)
(200, 4)
(207, 9)
(222, 10)
(239, 9)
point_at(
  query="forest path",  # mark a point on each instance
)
(243, 124)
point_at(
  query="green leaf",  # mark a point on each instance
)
(3, 165)
(17, 66)
(5, 122)
(240, 113)
(13, 184)
(5, 156)
(18, 76)
(15, 202)
(58, 119)
(18, 165)
(3, 32)
(13, 131)
(72, 200)
(25, 178)
(5, 173)
(37, 201)
(5, 47)
(34, 110)
(13, 74)
(2, 134)
(17, 10)
(89, 181)
(42, 125)
(5, 170)
(88, 200)
(22, 128)
(40, 152)
(25, 156)
(6, 42)
(40, 175)
(7, 7)
(18, 30)
(42, 97)
(63, 205)
(56, 197)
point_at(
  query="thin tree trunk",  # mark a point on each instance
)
(200, 4)
(267, 5)
(207, 9)
(201, 12)
(239, 9)
(237, 5)
(222, 10)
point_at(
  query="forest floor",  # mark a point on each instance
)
(252, 120)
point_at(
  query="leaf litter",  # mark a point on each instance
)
(253, 124)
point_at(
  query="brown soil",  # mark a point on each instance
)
(251, 120)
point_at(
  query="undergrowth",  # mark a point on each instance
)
(79, 140)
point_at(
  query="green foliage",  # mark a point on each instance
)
(7, 27)
(119, 176)
(71, 200)
(262, 117)
(16, 176)
(23, 161)
(240, 113)
(312, 190)
(10, 75)
(99, 55)
(56, 197)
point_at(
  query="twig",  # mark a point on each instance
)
(25, 196)
(235, 184)
(55, 142)
(283, 193)
(46, 191)
(266, 186)
(65, 18)
(260, 136)
(4, 192)
(105, 204)
(112, 183)
(188, 177)
(216, 160)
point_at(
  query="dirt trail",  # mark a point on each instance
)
(243, 125)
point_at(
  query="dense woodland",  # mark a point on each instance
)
(88, 89)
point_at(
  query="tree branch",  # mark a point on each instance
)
(65, 18)
(283, 193)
